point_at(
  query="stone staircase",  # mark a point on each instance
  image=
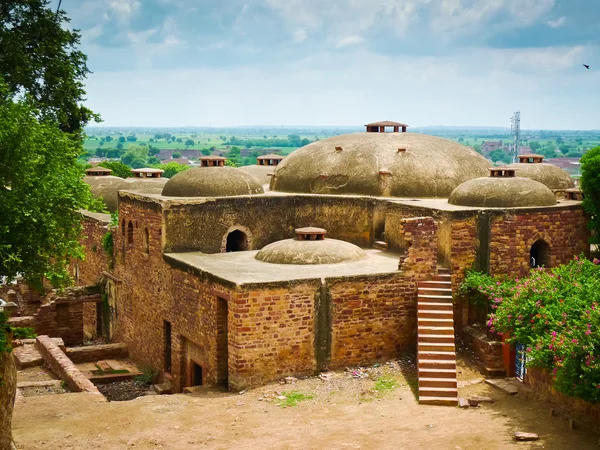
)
(436, 350)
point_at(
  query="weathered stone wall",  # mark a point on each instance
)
(488, 351)
(63, 367)
(538, 384)
(272, 333)
(93, 353)
(513, 234)
(89, 271)
(203, 226)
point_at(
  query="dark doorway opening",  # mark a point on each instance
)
(168, 345)
(222, 341)
(99, 332)
(196, 374)
(539, 255)
(237, 241)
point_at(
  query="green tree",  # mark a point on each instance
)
(180, 140)
(39, 56)
(119, 169)
(207, 151)
(176, 155)
(153, 151)
(590, 184)
(172, 168)
(131, 138)
(121, 138)
(100, 152)
(534, 146)
(499, 155)
(108, 139)
(189, 142)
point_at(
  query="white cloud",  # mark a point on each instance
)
(349, 40)
(124, 9)
(539, 60)
(300, 35)
(557, 23)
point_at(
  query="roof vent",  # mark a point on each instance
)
(574, 194)
(310, 234)
(401, 150)
(379, 127)
(338, 148)
(531, 158)
(502, 172)
(98, 172)
(147, 172)
(212, 161)
(269, 160)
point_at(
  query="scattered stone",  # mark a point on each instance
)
(326, 376)
(481, 399)
(463, 403)
(290, 380)
(507, 385)
(242, 392)
(281, 397)
(473, 403)
(240, 404)
(523, 436)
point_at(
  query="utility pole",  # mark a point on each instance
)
(515, 129)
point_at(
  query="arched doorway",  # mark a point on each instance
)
(539, 255)
(237, 241)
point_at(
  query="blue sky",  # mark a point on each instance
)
(341, 62)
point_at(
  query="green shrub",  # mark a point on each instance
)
(556, 315)
(24, 333)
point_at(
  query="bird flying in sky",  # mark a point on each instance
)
(587, 66)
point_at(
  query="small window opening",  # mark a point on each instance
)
(539, 255)
(146, 241)
(196, 374)
(237, 241)
(168, 345)
(130, 233)
(62, 315)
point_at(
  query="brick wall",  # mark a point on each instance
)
(272, 333)
(89, 271)
(513, 234)
(539, 384)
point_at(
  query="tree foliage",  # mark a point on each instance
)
(41, 191)
(590, 184)
(556, 315)
(119, 169)
(39, 57)
(172, 168)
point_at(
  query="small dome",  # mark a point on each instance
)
(260, 172)
(379, 164)
(499, 192)
(212, 182)
(551, 176)
(324, 251)
(106, 188)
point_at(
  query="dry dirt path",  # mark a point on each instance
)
(345, 413)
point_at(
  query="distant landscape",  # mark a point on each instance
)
(180, 148)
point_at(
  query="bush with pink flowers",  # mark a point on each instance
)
(556, 314)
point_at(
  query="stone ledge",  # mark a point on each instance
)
(22, 322)
(97, 352)
(62, 366)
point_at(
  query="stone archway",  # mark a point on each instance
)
(237, 238)
(539, 254)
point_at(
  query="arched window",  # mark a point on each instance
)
(146, 241)
(130, 233)
(237, 241)
(539, 255)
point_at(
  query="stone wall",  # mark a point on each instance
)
(63, 367)
(89, 271)
(272, 333)
(488, 351)
(538, 384)
(93, 353)
(513, 234)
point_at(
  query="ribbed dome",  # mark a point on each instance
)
(212, 182)
(328, 251)
(547, 174)
(495, 192)
(106, 188)
(379, 164)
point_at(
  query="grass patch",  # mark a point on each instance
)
(292, 398)
(385, 384)
(109, 372)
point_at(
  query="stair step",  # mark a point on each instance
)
(438, 392)
(446, 356)
(436, 338)
(437, 373)
(435, 284)
(440, 401)
(435, 322)
(438, 382)
(434, 314)
(436, 364)
(434, 296)
(436, 347)
(444, 277)
(434, 292)
(443, 270)
(433, 330)
(433, 306)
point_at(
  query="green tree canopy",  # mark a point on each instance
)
(172, 168)
(176, 155)
(590, 184)
(41, 191)
(119, 169)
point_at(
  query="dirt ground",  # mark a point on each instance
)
(373, 408)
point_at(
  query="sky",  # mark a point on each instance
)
(341, 62)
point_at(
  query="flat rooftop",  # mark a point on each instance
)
(241, 267)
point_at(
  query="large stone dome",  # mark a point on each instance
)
(212, 182)
(293, 251)
(105, 188)
(379, 164)
(547, 174)
(495, 192)
(260, 172)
